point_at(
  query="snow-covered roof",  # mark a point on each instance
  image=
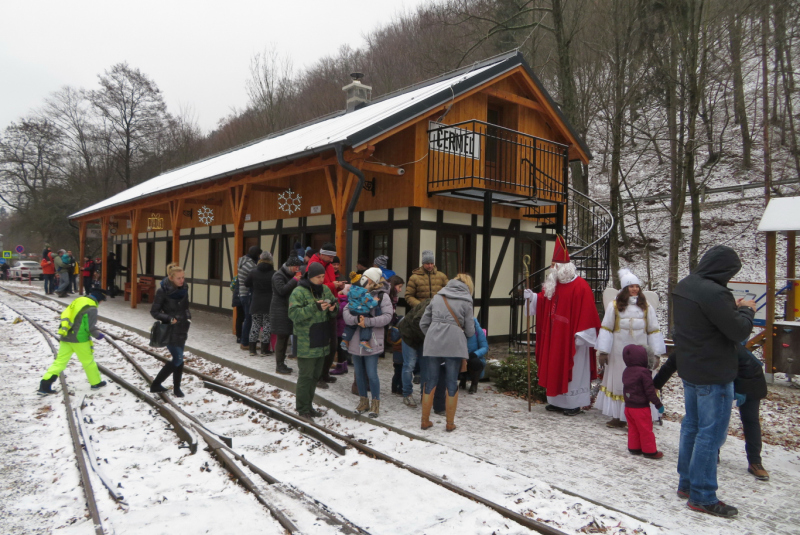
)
(349, 129)
(782, 213)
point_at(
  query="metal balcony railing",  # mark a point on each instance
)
(466, 159)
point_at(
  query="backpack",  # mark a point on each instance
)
(409, 327)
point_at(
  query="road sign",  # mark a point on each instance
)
(2, 261)
(6, 254)
(20, 249)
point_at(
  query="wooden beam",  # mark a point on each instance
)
(134, 267)
(81, 251)
(210, 202)
(268, 189)
(374, 167)
(768, 342)
(791, 273)
(514, 99)
(104, 240)
(176, 212)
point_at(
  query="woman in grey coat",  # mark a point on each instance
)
(447, 323)
(366, 364)
(284, 281)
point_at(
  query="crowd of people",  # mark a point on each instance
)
(308, 310)
(61, 272)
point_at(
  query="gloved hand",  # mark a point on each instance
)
(661, 409)
(602, 359)
(472, 356)
(100, 336)
(740, 399)
(529, 295)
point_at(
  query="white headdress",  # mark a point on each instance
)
(626, 278)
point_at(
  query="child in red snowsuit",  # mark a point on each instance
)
(639, 392)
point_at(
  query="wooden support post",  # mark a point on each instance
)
(768, 343)
(134, 267)
(104, 240)
(175, 213)
(486, 265)
(237, 198)
(791, 273)
(81, 252)
(334, 178)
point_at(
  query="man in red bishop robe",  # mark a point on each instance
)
(567, 324)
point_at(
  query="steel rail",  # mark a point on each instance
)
(529, 523)
(88, 490)
(87, 443)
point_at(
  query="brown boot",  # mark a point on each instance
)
(427, 405)
(451, 402)
(363, 405)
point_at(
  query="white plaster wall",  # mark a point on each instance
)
(318, 220)
(201, 258)
(188, 267)
(250, 225)
(498, 320)
(376, 215)
(400, 214)
(186, 231)
(505, 279)
(161, 258)
(549, 248)
(526, 225)
(269, 224)
(427, 241)
(291, 222)
(200, 291)
(400, 253)
(500, 222)
(216, 229)
(428, 214)
(457, 218)
(214, 296)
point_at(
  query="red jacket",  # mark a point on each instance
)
(48, 267)
(88, 269)
(330, 274)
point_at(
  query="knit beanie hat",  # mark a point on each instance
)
(427, 257)
(382, 261)
(253, 252)
(293, 259)
(336, 260)
(373, 274)
(626, 278)
(265, 257)
(314, 269)
(98, 294)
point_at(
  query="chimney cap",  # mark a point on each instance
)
(356, 76)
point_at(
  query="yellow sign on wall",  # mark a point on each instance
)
(155, 222)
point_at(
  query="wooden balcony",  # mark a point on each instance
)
(467, 159)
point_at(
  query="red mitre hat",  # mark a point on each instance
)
(561, 255)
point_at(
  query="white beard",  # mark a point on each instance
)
(561, 274)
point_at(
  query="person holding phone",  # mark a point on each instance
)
(311, 309)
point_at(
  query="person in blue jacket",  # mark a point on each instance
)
(478, 348)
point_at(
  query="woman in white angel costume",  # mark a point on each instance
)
(629, 319)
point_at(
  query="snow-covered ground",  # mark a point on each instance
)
(547, 466)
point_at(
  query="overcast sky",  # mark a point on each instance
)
(198, 52)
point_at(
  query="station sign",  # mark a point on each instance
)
(455, 141)
(6, 254)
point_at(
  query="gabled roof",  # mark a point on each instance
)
(349, 129)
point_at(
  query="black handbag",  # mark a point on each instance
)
(159, 334)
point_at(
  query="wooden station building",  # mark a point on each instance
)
(472, 165)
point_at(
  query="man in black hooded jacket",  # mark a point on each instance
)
(709, 323)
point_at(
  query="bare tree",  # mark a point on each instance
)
(134, 115)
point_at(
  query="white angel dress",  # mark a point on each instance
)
(618, 329)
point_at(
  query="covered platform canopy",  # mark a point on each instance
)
(781, 215)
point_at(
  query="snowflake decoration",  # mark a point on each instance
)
(289, 201)
(205, 215)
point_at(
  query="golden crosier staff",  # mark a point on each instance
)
(526, 263)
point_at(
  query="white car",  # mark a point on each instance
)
(25, 269)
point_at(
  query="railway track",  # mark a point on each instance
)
(219, 443)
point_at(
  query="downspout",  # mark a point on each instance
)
(352, 206)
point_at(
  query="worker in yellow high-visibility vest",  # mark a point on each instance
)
(78, 326)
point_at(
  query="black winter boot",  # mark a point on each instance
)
(46, 387)
(265, 348)
(253, 348)
(475, 377)
(176, 382)
(463, 384)
(160, 378)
